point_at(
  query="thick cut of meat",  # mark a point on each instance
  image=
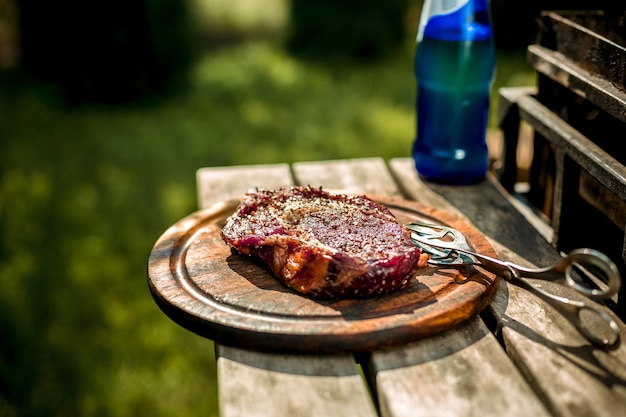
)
(322, 244)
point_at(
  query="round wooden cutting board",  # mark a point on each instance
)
(203, 286)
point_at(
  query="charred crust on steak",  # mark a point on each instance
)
(322, 244)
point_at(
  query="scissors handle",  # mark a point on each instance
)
(585, 317)
(590, 262)
(580, 314)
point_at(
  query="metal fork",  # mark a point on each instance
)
(434, 240)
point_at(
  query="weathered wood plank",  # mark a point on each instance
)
(358, 176)
(574, 378)
(571, 376)
(400, 391)
(269, 385)
(255, 384)
(403, 169)
(215, 184)
(460, 373)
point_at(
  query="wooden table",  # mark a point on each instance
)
(517, 358)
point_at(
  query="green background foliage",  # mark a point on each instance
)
(89, 181)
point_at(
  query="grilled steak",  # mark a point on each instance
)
(322, 244)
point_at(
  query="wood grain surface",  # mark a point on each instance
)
(201, 284)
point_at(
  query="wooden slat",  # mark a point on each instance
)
(593, 40)
(216, 184)
(401, 390)
(609, 171)
(259, 385)
(403, 169)
(593, 87)
(367, 175)
(459, 373)
(573, 377)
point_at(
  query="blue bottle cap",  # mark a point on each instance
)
(455, 20)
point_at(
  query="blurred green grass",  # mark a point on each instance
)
(85, 191)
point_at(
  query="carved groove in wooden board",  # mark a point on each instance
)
(203, 286)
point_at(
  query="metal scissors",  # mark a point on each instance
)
(448, 247)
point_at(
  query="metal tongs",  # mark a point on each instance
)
(449, 248)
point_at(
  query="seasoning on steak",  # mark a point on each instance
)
(324, 245)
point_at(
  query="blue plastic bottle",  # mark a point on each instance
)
(454, 69)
